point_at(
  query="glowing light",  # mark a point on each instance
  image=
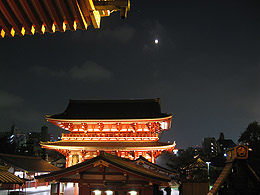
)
(75, 25)
(23, 31)
(12, 32)
(64, 27)
(109, 192)
(164, 125)
(43, 29)
(156, 41)
(97, 192)
(53, 28)
(33, 30)
(133, 193)
(2, 33)
(96, 19)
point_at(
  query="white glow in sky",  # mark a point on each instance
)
(156, 41)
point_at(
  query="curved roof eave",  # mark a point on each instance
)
(49, 118)
(130, 148)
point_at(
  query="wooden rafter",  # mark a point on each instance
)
(5, 25)
(44, 14)
(67, 13)
(32, 15)
(15, 5)
(85, 11)
(55, 12)
(82, 21)
(10, 16)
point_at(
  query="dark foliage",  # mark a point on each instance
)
(251, 138)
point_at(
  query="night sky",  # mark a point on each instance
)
(205, 67)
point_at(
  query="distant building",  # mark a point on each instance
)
(14, 130)
(33, 144)
(209, 147)
(224, 144)
(44, 134)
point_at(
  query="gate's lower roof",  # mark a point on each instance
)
(109, 145)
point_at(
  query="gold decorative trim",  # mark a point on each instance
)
(101, 163)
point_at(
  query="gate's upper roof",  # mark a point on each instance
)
(112, 109)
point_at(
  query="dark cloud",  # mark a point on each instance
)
(120, 34)
(89, 70)
(9, 100)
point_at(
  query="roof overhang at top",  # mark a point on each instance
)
(111, 110)
(29, 16)
(123, 121)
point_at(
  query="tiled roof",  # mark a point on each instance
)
(141, 158)
(108, 144)
(9, 178)
(112, 109)
(26, 163)
(114, 160)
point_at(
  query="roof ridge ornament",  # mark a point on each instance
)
(101, 163)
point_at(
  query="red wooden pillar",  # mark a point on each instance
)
(67, 161)
(76, 189)
(153, 159)
(35, 180)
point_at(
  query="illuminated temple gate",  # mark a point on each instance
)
(20, 17)
(126, 128)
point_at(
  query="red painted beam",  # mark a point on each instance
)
(32, 14)
(68, 15)
(44, 14)
(22, 16)
(6, 10)
(56, 14)
(79, 14)
(84, 8)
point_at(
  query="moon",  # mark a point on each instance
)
(156, 41)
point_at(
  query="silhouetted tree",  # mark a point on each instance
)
(183, 159)
(251, 138)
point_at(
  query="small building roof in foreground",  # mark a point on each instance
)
(27, 163)
(112, 109)
(9, 178)
(106, 159)
(141, 160)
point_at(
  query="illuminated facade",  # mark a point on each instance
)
(126, 128)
